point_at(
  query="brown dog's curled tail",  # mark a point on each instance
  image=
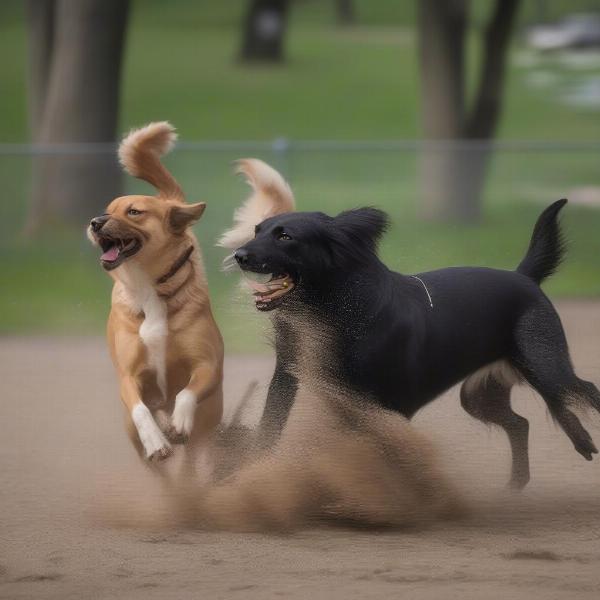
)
(140, 153)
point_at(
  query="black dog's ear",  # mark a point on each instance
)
(355, 233)
(363, 225)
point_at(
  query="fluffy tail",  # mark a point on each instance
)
(140, 154)
(547, 247)
(271, 195)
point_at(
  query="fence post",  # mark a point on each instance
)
(281, 148)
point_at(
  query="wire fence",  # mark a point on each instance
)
(284, 145)
(56, 284)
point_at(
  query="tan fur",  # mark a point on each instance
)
(500, 370)
(155, 363)
(271, 195)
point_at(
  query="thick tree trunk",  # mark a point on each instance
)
(40, 18)
(264, 31)
(345, 13)
(80, 106)
(442, 28)
(457, 152)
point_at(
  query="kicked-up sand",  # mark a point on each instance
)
(64, 457)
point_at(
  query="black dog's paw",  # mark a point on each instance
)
(586, 448)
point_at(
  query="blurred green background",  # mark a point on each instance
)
(357, 83)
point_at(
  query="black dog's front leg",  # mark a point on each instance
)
(283, 387)
(282, 392)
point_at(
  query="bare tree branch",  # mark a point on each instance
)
(483, 118)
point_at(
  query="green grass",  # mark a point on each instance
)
(344, 84)
(338, 83)
(57, 286)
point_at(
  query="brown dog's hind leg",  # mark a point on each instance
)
(488, 400)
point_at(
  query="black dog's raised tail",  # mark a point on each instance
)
(547, 247)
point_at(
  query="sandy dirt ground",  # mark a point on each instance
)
(63, 451)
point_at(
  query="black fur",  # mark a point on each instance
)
(402, 340)
(547, 248)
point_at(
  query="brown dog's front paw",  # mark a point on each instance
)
(182, 419)
(155, 444)
(176, 437)
(161, 453)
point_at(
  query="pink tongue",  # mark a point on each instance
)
(111, 254)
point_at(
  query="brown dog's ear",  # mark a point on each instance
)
(183, 215)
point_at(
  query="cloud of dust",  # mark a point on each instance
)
(339, 460)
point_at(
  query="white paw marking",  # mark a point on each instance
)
(155, 444)
(184, 411)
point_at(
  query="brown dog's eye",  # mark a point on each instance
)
(132, 212)
(283, 236)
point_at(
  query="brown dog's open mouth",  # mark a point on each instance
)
(116, 250)
(269, 289)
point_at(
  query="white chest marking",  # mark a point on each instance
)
(140, 295)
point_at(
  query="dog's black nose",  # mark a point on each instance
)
(97, 222)
(241, 255)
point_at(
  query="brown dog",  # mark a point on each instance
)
(163, 340)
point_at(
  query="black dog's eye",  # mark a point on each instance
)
(132, 212)
(283, 236)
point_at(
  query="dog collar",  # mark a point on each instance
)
(178, 264)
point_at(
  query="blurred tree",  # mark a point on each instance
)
(264, 30)
(345, 13)
(75, 57)
(457, 147)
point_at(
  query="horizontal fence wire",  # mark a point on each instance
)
(284, 145)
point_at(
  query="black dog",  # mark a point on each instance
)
(404, 339)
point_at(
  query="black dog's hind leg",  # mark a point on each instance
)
(542, 356)
(488, 399)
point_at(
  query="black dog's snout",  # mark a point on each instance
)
(97, 222)
(242, 256)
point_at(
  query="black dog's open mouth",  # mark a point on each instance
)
(116, 250)
(269, 288)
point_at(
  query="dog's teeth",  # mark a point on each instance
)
(260, 278)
